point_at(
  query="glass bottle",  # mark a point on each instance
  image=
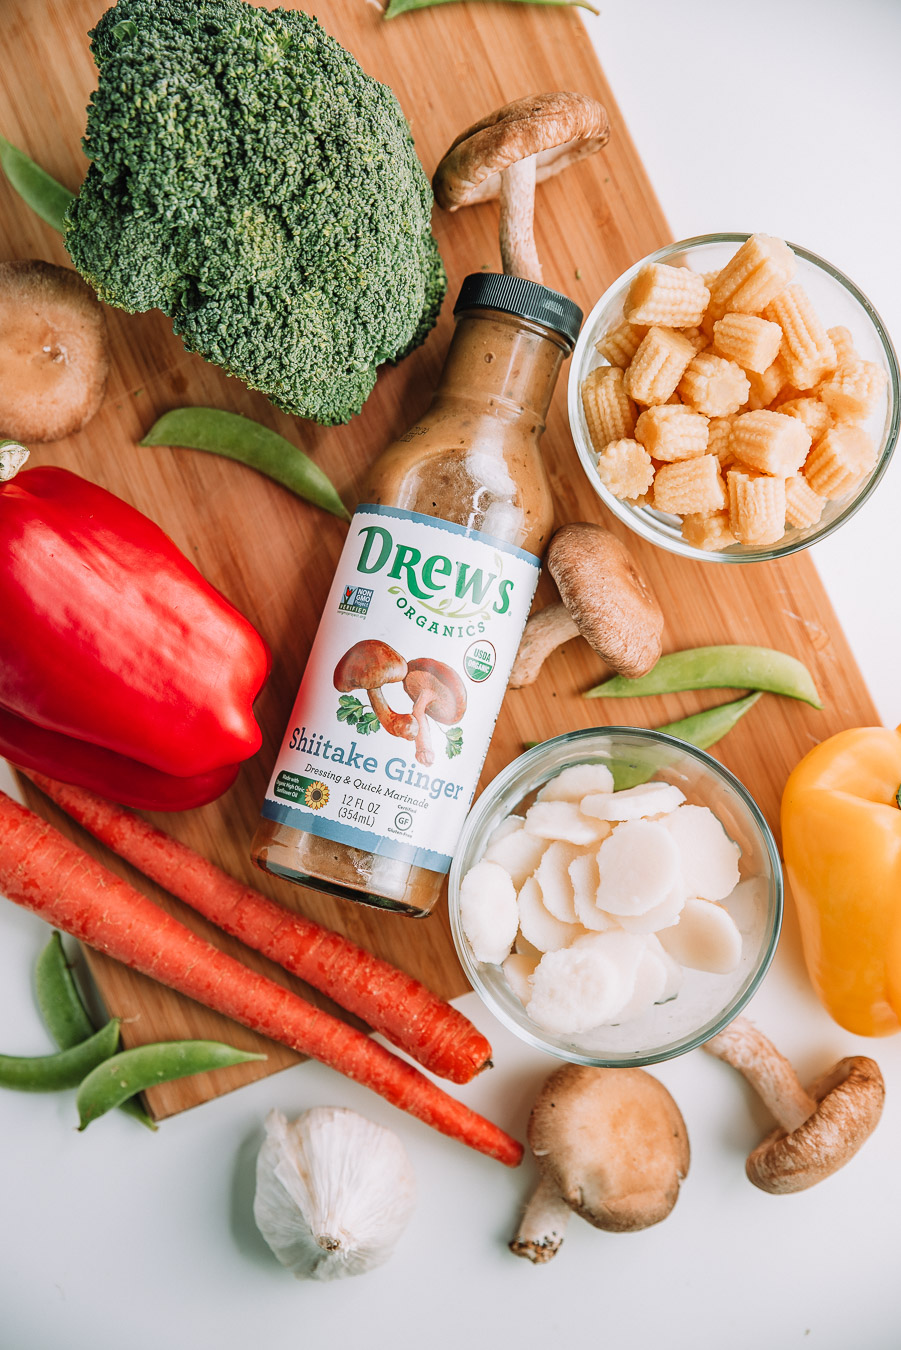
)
(406, 676)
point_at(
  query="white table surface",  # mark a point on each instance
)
(778, 116)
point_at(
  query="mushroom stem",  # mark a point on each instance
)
(424, 752)
(545, 632)
(769, 1072)
(12, 457)
(543, 1224)
(398, 724)
(517, 222)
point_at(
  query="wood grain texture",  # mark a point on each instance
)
(274, 556)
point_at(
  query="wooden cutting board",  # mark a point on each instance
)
(274, 556)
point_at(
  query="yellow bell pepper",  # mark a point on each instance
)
(841, 840)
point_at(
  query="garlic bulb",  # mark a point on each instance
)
(334, 1192)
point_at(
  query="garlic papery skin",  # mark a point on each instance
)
(334, 1192)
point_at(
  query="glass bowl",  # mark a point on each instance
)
(706, 1002)
(837, 301)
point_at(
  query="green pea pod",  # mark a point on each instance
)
(702, 729)
(240, 438)
(705, 728)
(64, 1014)
(131, 1071)
(66, 1069)
(729, 667)
(34, 185)
(396, 7)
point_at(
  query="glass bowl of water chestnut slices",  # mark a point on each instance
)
(734, 398)
(616, 896)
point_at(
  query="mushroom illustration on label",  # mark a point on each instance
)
(439, 693)
(370, 665)
(436, 691)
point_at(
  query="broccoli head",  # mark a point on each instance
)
(248, 179)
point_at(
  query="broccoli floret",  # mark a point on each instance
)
(248, 179)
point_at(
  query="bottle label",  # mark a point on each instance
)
(403, 686)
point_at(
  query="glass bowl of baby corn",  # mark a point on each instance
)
(734, 398)
(616, 896)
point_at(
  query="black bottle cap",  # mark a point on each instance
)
(525, 299)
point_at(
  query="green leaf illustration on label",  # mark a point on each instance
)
(454, 742)
(353, 712)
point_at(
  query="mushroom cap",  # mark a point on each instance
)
(54, 359)
(613, 1142)
(448, 693)
(850, 1097)
(608, 598)
(369, 665)
(559, 128)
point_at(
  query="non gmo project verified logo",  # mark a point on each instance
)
(355, 600)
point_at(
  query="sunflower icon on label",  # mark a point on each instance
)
(316, 796)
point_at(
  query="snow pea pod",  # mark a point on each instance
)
(727, 667)
(240, 438)
(705, 728)
(48, 198)
(702, 729)
(66, 1069)
(131, 1071)
(64, 1014)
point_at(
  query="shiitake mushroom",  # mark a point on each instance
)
(54, 358)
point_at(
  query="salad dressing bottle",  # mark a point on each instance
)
(408, 670)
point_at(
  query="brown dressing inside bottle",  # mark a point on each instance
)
(473, 462)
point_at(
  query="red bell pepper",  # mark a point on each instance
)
(121, 668)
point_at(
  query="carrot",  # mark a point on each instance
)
(390, 1001)
(45, 873)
